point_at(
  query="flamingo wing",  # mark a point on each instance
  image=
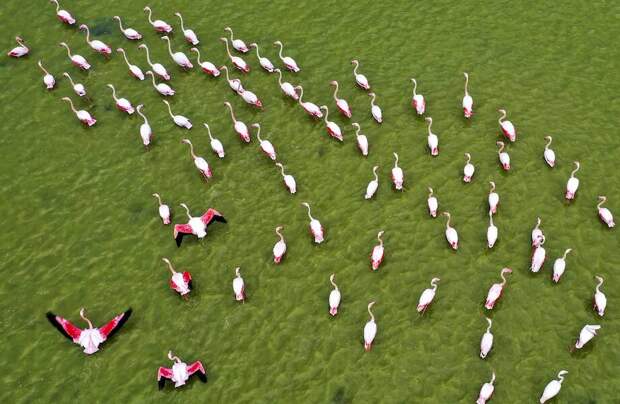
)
(211, 215)
(197, 367)
(180, 230)
(163, 374)
(65, 327)
(115, 324)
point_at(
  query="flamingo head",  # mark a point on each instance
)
(83, 26)
(117, 18)
(277, 43)
(147, 8)
(142, 46)
(224, 40)
(333, 83)
(177, 14)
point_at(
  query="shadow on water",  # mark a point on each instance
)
(102, 26)
(340, 397)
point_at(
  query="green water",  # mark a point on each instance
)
(81, 228)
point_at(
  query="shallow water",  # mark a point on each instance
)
(82, 228)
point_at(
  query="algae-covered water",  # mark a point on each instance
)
(81, 227)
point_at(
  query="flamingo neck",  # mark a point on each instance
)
(281, 169)
(357, 130)
(257, 53)
(468, 158)
(68, 50)
(572, 174)
(189, 216)
(309, 212)
(415, 86)
(374, 171)
(549, 140)
(279, 77)
(113, 92)
(372, 100)
(466, 83)
(71, 105)
(169, 46)
(537, 223)
(232, 114)
(335, 91)
(148, 55)
(492, 379)
(492, 187)
(120, 24)
(87, 33)
(502, 117)
(602, 201)
(301, 94)
(501, 147)
(42, 68)
(170, 267)
(326, 114)
(448, 222)
(148, 10)
(158, 198)
(197, 55)
(280, 52)
(191, 151)
(430, 190)
(355, 68)
(57, 5)
(566, 253)
(90, 325)
(491, 219)
(331, 280)
(600, 283)
(125, 57)
(153, 79)
(209, 131)
(372, 317)
(490, 324)
(170, 111)
(181, 18)
(396, 162)
(430, 123)
(227, 50)
(280, 235)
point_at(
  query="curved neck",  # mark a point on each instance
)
(232, 114)
(279, 234)
(572, 174)
(372, 317)
(492, 379)
(491, 219)
(158, 198)
(280, 52)
(181, 18)
(502, 117)
(301, 94)
(449, 218)
(279, 76)
(230, 31)
(415, 86)
(434, 284)
(237, 273)
(148, 10)
(87, 33)
(257, 53)
(335, 84)
(468, 156)
(281, 169)
(170, 267)
(602, 200)
(324, 108)
(501, 147)
(169, 46)
(90, 325)
(331, 280)
(148, 55)
(191, 151)
(466, 83)
(113, 92)
(396, 162)
(68, 50)
(373, 96)
(169, 109)
(122, 51)
(197, 55)
(258, 133)
(357, 129)
(490, 324)
(57, 5)
(42, 68)
(430, 123)
(69, 77)
(549, 140)
(20, 42)
(309, 212)
(227, 50)
(120, 24)
(356, 64)
(503, 275)
(152, 78)
(189, 216)
(71, 104)
(208, 130)
(379, 238)
(600, 283)
(430, 190)
(146, 121)
(173, 358)
(537, 224)
(374, 171)
(492, 187)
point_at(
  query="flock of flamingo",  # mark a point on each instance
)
(181, 282)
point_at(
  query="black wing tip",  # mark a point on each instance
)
(52, 319)
(121, 322)
(202, 377)
(179, 238)
(161, 383)
(220, 219)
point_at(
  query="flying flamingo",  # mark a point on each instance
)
(553, 387)
(63, 15)
(196, 225)
(48, 79)
(311, 109)
(82, 115)
(559, 265)
(493, 198)
(159, 25)
(587, 333)
(468, 102)
(332, 127)
(78, 88)
(376, 256)
(238, 44)
(537, 234)
(426, 298)
(146, 133)
(19, 51)
(206, 66)
(341, 103)
(239, 286)
(316, 229)
(486, 343)
(334, 297)
(163, 209)
(372, 186)
(286, 87)
(398, 177)
(432, 140)
(492, 231)
(432, 203)
(573, 183)
(133, 69)
(190, 35)
(288, 61)
(122, 104)
(289, 180)
(469, 169)
(240, 127)
(88, 338)
(236, 60)
(96, 45)
(216, 145)
(264, 62)
(179, 58)
(370, 329)
(417, 100)
(77, 60)
(200, 163)
(486, 391)
(129, 33)
(375, 110)
(279, 249)
(496, 290)
(504, 157)
(265, 145)
(451, 234)
(539, 255)
(506, 126)
(181, 282)
(158, 68)
(549, 154)
(162, 88)
(235, 84)
(600, 300)
(250, 98)
(604, 213)
(179, 120)
(180, 372)
(362, 140)
(360, 79)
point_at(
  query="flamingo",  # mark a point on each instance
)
(180, 282)
(549, 154)
(265, 145)
(537, 234)
(196, 225)
(432, 203)
(398, 177)
(587, 333)
(492, 231)
(486, 342)
(504, 157)
(200, 163)
(159, 25)
(289, 180)
(236, 60)
(332, 127)
(600, 300)
(133, 69)
(162, 88)
(432, 140)
(311, 109)
(316, 229)
(375, 110)
(164, 210)
(370, 329)
(239, 286)
(19, 51)
(469, 169)
(240, 127)
(96, 45)
(553, 387)
(362, 140)
(82, 115)
(496, 290)
(158, 68)
(506, 126)
(264, 62)
(129, 33)
(179, 58)
(334, 297)
(146, 133)
(604, 213)
(539, 255)
(190, 35)
(372, 186)
(180, 372)
(206, 66)
(559, 265)
(63, 15)
(238, 44)
(451, 235)
(493, 198)
(417, 100)
(250, 98)
(78, 88)
(235, 84)
(216, 145)
(77, 60)
(279, 249)
(468, 102)
(288, 61)
(573, 183)
(341, 103)
(426, 298)
(360, 79)
(122, 104)
(286, 87)
(48, 79)
(179, 120)
(376, 256)
(486, 391)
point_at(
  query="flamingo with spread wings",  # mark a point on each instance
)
(196, 225)
(180, 372)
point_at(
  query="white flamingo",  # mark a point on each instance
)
(286, 87)
(288, 61)
(537, 234)
(96, 45)
(360, 79)
(507, 127)
(376, 256)
(417, 100)
(600, 300)
(362, 140)
(206, 66)
(573, 183)
(334, 297)
(279, 249)
(559, 266)
(20, 50)
(200, 163)
(549, 154)
(486, 342)
(133, 69)
(375, 110)
(496, 290)
(77, 60)
(63, 15)
(469, 169)
(240, 127)
(159, 25)
(216, 145)
(504, 157)
(492, 232)
(398, 177)
(426, 298)
(341, 103)
(179, 120)
(332, 127)
(493, 198)
(146, 133)
(316, 229)
(179, 58)
(122, 104)
(539, 255)
(250, 98)
(587, 333)
(605, 214)
(238, 44)
(190, 35)
(78, 88)
(48, 79)
(239, 63)
(370, 329)
(432, 140)
(239, 286)
(311, 109)
(553, 387)
(372, 186)
(468, 102)
(158, 68)
(163, 209)
(162, 88)
(289, 180)
(235, 84)
(451, 235)
(82, 115)
(265, 145)
(486, 391)
(264, 62)
(129, 33)
(432, 203)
